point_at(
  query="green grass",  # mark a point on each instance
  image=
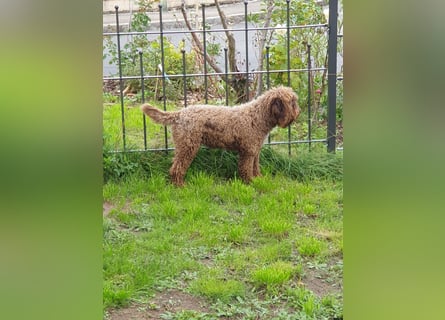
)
(275, 274)
(310, 246)
(218, 289)
(245, 251)
(248, 251)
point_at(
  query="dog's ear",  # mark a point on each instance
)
(277, 108)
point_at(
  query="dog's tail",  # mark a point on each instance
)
(159, 116)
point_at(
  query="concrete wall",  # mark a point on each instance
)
(124, 5)
(131, 5)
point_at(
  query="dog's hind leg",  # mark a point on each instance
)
(256, 166)
(246, 167)
(184, 156)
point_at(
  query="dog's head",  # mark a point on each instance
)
(283, 106)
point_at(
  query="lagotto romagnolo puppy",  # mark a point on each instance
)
(241, 128)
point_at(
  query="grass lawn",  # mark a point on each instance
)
(220, 249)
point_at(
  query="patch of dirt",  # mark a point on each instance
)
(317, 285)
(170, 301)
(133, 312)
(106, 208)
(321, 283)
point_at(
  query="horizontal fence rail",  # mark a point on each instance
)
(225, 75)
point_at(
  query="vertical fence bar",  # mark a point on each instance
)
(332, 75)
(226, 75)
(288, 65)
(204, 40)
(309, 86)
(247, 49)
(121, 83)
(184, 77)
(267, 79)
(141, 65)
(267, 68)
(288, 39)
(161, 32)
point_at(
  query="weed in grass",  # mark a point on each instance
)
(196, 209)
(304, 189)
(117, 166)
(310, 306)
(201, 180)
(155, 183)
(310, 246)
(280, 250)
(328, 301)
(309, 209)
(236, 193)
(168, 209)
(297, 295)
(218, 289)
(275, 274)
(304, 300)
(122, 217)
(265, 183)
(237, 234)
(333, 309)
(277, 227)
(115, 296)
(274, 218)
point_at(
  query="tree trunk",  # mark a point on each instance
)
(262, 43)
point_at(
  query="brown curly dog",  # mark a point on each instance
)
(241, 128)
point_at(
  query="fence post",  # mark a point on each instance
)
(141, 66)
(332, 75)
(121, 82)
(267, 79)
(246, 26)
(204, 41)
(226, 76)
(184, 77)
(288, 66)
(164, 100)
(309, 97)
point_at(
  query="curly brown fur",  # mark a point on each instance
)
(241, 128)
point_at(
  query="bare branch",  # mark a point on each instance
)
(262, 43)
(198, 43)
(230, 39)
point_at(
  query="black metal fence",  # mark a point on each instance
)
(329, 29)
